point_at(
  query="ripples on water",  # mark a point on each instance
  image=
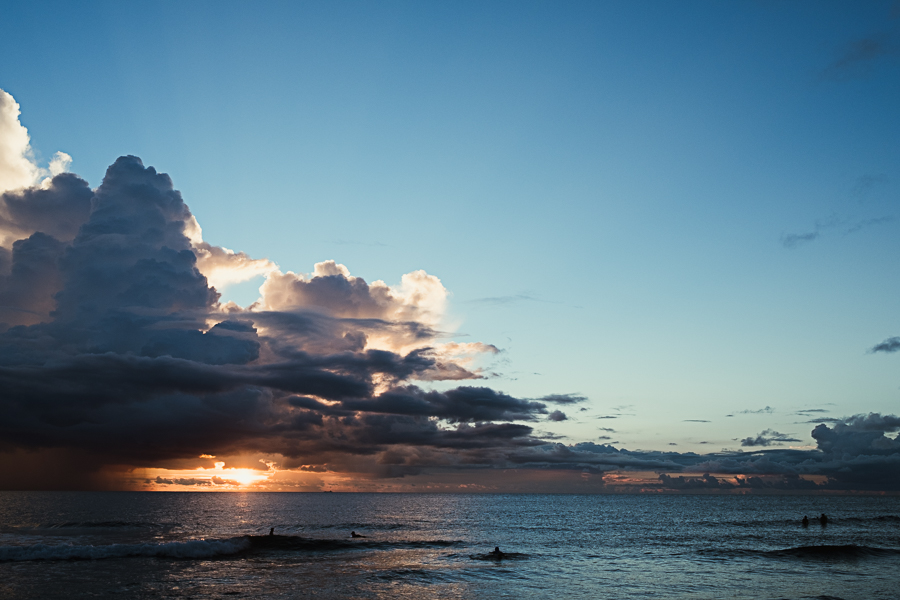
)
(214, 545)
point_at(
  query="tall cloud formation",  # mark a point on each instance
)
(115, 348)
(115, 339)
(115, 345)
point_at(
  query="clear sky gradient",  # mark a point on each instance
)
(687, 212)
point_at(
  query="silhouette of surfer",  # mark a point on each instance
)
(272, 531)
(823, 520)
(353, 534)
(496, 552)
(805, 521)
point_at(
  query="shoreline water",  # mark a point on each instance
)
(201, 545)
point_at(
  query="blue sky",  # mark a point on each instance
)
(682, 211)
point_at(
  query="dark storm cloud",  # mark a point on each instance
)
(42, 221)
(767, 438)
(889, 345)
(461, 405)
(114, 344)
(853, 453)
(859, 435)
(783, 482)
(57, 210)
(27, 290)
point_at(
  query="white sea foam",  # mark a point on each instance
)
(189, 549)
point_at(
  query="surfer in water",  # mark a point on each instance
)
(272, 531)
(805, 521)
(823, 520)
(353, 534)
(496, 553)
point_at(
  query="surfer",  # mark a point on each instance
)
(823, 520)
(353, 534)
(805, 521)
(496, 553)
(272, 531)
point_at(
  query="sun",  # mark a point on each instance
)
(245, 476)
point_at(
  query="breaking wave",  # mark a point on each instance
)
(202, 548)
(878, 519)
(189, 549)
(823, 552)
(107, 525)
(833, 552)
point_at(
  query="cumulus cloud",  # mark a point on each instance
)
(557, 415)
(18, 166)
(114, 342)
(221, 266)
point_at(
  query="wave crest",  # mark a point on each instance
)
(189, 549)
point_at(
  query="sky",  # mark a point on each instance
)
(497, 246)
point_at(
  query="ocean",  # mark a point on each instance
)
(217, 545)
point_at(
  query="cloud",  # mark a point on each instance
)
(888, 346)
(563, 399)
(18, 166)
(695, 421)
(866, 183)
(858, 58)
(767, 438)
(510, 300)
(557, 415)
(859, 225)
(116, 349)
(792, 240)
(757, 411)
(114, 343)
(707, 481)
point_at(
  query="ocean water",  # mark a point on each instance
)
(216, 545)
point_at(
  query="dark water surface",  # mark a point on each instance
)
(214, 545)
